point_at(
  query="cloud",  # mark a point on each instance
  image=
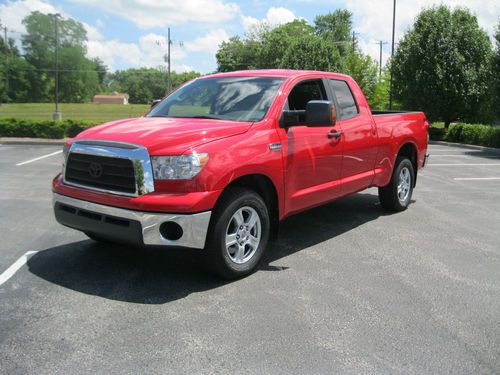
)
(208, 43)
(274, 17)
(148, 14)
(373, 19)
(13, 12)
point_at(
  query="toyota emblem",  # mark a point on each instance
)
(95, 170)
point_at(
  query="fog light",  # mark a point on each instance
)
(171, 231)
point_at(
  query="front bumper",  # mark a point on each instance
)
(136, 227)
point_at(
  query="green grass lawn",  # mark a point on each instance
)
(88, 111)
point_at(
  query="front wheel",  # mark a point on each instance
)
(238, 234)
(396, 196)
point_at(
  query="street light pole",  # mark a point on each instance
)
(392, 50)
(57, 114)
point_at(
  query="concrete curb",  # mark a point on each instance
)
(443, 143)
(32, 141)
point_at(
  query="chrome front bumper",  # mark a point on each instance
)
(194, 226)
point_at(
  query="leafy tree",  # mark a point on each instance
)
(496, 74)
(78, 79)
(101, 69)
(364, 71)
(145, 84)
(336, 27)
(15, 74)
(442, 65)
(278, 41)
(311, 53)
(237, 54)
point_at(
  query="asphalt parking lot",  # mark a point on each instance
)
(346, 288)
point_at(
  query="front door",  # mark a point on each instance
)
(312, 159)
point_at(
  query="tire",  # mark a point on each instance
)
(396, 196)
(241, 219)
(97, 238)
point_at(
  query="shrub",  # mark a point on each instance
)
(10, 127)
(474, 134)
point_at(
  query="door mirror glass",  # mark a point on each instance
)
(320, 113)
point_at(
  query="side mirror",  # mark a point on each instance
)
(155, 102)
(320, 113)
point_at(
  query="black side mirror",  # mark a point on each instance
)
(320, 113)
(155, 102)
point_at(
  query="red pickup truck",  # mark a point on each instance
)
(218, 163)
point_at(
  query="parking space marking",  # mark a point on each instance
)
(9, 272)
(463, 164)
(476, 178)
(39, 158)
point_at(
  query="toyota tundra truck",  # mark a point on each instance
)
(218, 163)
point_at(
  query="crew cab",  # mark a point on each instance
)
(218, 163)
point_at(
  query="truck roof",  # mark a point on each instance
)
(285, 73)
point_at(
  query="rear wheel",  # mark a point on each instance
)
(238, 233)
(396, 196)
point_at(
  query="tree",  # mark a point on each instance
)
(311, 53)
(145, 84)
(336, 27)
(237, 54)
(496, 74)
(15, 74)
(78, 79)
(364, 71)
(280, 40)
(442, 65)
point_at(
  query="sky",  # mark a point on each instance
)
(132, 33)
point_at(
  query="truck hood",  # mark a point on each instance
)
(162, 135)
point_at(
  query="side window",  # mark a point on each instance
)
(347, 107)
(304, 92)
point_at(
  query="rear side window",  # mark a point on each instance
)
(347, 107)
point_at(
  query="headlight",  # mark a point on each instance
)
(180, 167)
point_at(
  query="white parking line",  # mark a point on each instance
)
(462, 164)
(39, 158)
(476, 178)
(9, 272)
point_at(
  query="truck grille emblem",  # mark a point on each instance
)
(95, 170)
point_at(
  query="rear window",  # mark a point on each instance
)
(347, 107)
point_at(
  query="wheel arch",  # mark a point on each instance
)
(409, 149)
(264, 186)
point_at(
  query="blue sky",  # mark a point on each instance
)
(132, 33)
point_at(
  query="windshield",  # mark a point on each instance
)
(228, 98)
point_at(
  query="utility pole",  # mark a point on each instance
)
(57, 114)
(380, 43)
(392, 50)
(353, 41)
(169, 83)
(7, 53)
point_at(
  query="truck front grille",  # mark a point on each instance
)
(101, 172)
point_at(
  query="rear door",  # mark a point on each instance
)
(359, 134)
(312, 159)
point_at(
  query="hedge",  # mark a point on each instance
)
(472, 134)
(10, 127)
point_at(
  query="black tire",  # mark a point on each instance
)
(389, 197)
(223, 223)
(98, 238)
